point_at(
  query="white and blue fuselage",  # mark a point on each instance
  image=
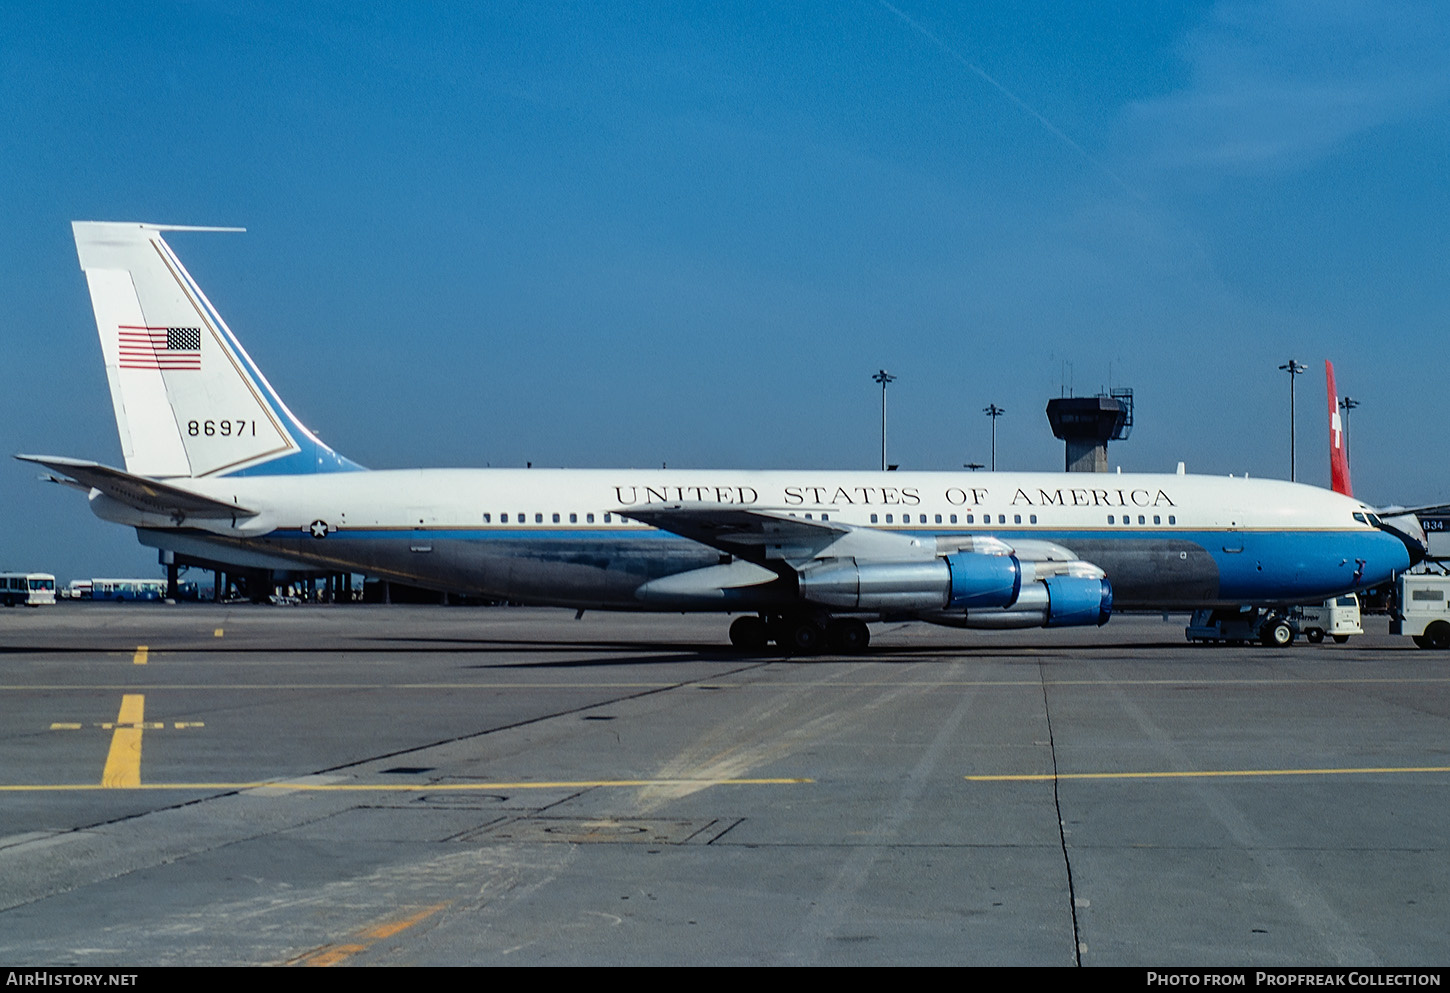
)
(566, 536)
(219, 471)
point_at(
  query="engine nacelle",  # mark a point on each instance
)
(967, 589)
(1074, 601)
(966, 579)
(1054, 602)
(984, 580)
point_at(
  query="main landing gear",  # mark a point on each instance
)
(801, 634)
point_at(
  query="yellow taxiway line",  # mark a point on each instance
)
(311, 686)
(123, 763)
(304, 787)
(1208, 774)
(366, 938)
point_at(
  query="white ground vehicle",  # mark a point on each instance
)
(1338, 618)
(29, 588)
(1423, 610)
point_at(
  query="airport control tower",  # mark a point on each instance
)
(1087, 424)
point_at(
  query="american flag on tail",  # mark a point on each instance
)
(159, 348)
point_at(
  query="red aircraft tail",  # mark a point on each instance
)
(1338, 458)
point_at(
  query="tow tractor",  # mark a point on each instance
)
(1272, 627)
(1277, 627)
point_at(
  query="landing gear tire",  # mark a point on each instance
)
(1278, 634)
(800, 636)
(848, 635)
(749, 634)
(1315, 636)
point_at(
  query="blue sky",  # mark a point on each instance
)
(645, 233)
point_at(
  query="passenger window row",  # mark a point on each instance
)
(1002, 519)
(553, 518)
(970, 519)
(875, 518)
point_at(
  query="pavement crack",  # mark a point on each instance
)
(1061, 831)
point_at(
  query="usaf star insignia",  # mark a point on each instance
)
(318, 529)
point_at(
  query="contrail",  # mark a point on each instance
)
(1027, 108)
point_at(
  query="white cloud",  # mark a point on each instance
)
(1277, 85)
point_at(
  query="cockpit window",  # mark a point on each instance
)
(1360, 517)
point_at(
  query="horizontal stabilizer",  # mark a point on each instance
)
(147, 495)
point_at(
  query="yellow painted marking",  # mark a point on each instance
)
(113, 725)
(391, 928)
(1210, 774)
(140, 657)
(123, 764)
(366, 938)
(331, 955)
(217, 633)
(408, 788)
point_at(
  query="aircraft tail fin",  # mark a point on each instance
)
(1338, 455)
(188, 399)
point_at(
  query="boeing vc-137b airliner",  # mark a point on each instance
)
(218, 469)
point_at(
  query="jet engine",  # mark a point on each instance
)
(1054, 602)
(966, 589)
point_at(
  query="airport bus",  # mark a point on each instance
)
(128, 589)
(29, 588)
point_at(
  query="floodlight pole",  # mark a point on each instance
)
(993, 411)
(1346, 405)
(1294, 369)
(883, 377)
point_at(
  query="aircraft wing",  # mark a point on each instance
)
(1424, 510)
(148, 495)
(760, 535)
